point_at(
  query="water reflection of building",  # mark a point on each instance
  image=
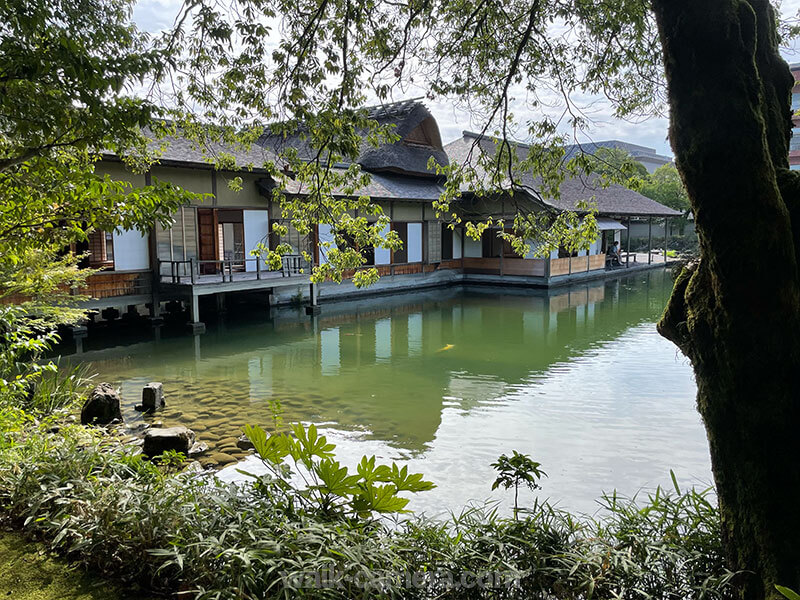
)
(390, 365)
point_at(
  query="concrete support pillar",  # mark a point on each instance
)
(156, 320)
(195, 325)
(313, 307)
(194, 308)
(628, 243)
(220, 303)
(197, 354)
(79, 333)
(155, 281)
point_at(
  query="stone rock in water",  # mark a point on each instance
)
(197, 449)
(244, 443)
(222, 459)
(152, 396)
(158, 441)
(102, 407)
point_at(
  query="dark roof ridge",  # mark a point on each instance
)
(493, 138)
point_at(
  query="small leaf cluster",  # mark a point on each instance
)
(327, 486)
(517, 469)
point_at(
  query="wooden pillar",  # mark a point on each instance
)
(649, 240)
(666, 237)
(628, 243)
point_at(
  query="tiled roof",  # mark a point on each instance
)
(180, 151)
(635, 150)
(612, 200)
(391, 186)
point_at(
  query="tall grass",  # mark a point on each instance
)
(64, 387)
(103, 505)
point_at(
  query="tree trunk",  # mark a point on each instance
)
(736, 312)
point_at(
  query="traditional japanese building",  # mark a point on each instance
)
(207, 251)
(614, 206)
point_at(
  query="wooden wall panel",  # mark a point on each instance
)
(528, 267)
(559, 266)
(597, 261)
(111, 284)
(579, 264)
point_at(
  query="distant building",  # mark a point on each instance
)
(647, 156)
(794, 143)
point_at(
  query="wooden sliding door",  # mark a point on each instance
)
(207, 229)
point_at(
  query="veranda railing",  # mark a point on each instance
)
(206, 271)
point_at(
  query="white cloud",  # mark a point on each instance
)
(153, 16)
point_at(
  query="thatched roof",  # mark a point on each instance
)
(614, 200)
(410, 120)
(419, 140)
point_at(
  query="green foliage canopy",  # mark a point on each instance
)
(69, 72)
(665, 185)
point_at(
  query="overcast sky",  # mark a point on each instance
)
(156, 15)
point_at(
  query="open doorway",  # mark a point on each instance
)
(230, 233)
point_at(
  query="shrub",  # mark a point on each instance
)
(100, 503)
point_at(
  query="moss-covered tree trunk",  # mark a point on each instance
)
(736, 312)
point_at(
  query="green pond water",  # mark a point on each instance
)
(444, 380)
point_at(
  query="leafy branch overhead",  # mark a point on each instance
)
(70, 78)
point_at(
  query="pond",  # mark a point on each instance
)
(444, 380)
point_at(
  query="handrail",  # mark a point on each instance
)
(225, 268)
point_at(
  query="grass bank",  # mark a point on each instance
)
(29, 572)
